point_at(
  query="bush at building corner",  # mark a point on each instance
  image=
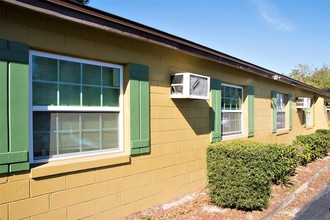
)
(240, 174)
(313, 146)
(325, 135)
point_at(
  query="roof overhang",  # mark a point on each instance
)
(85, 15)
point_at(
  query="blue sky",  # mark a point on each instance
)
(274, 34)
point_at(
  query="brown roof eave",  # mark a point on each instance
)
(86, 15)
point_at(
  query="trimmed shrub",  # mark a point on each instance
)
(325, 135)
(284, 159)
(304, 154)
(312, 146)
(323, 131)
(240, 173)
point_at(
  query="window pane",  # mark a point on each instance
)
(90, 121)
(281, 102)
(110, 97)
(70, 95)
(44, 138)
(111, 77)
(44, 93)
(109, 120)
(109, 139)
(68, 122)
(231, 123)
(308, 117)
(44, 69)
(91, 74)
(69, 132)
(280, 120)
(110, 133)
(56, 134)
(116, 78)
(90, 140)
(231, 98)
(69, 71)
(69, 142)
(91, 96)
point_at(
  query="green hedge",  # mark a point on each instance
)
(312, 146)
(241, 173)
(323, 131)
(284, 159)
(325, 135)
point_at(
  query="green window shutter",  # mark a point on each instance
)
(274, 107)
(3, 114)
(251, 111)
(304, 118)
(14, 107)
(290, 111)
(216, 110)
(139, 109)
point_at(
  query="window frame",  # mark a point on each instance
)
(308, 117)
(281, 110)
(241, 111)
(80, 109)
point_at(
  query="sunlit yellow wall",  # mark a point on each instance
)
(180, 129)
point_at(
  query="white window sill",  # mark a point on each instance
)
(233, 137)
(77, 164)
(282, 131)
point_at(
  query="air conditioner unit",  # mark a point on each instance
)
(190, 86)
(303, 102)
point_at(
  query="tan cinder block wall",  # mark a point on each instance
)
(180, 129)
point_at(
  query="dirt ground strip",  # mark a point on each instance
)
(198, 205)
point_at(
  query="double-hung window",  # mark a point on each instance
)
(76, 107)
(308, 117)
(280, 110)
(232, 112)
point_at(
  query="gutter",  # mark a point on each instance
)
(85, 15)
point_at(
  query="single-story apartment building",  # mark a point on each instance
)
(101, 117)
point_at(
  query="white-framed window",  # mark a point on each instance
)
(308, 117)
(232, 110)
(76, 107)
(280, 111)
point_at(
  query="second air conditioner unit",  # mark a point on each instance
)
(303, 102)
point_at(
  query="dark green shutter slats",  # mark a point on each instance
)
(18, 113)
(216, 110)
(304, 118)
(14, 107)
(274, 107)
(290, 112)
(3, 114)
(250, 111)
(139, 109)
(14, 52)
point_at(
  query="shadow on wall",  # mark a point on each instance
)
(196, 114)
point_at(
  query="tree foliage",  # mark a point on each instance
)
(319, 78)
